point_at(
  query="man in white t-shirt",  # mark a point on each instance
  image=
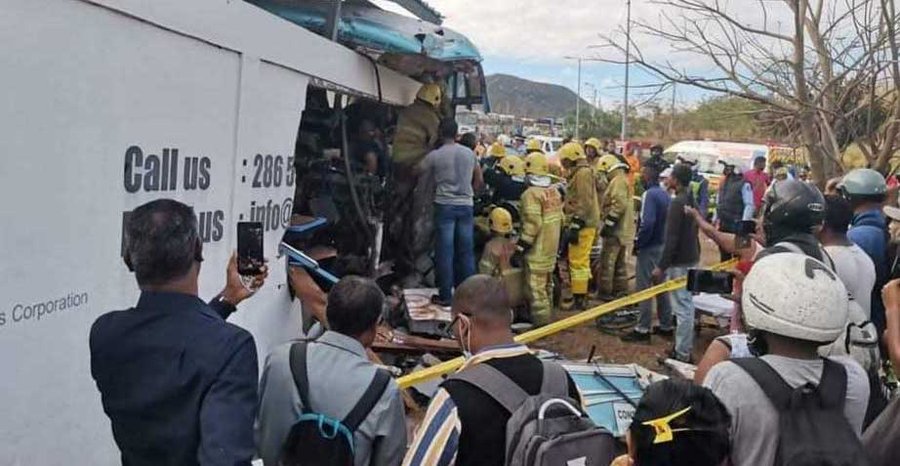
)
(854, 267)
(792, 304)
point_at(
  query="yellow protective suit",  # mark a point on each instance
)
(618, 210)
(411, 196)
(582, 205)
(542, 215)
(495, 261)
(416, 134)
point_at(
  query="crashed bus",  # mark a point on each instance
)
(228, 106)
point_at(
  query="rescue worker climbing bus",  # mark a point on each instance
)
(416, 135)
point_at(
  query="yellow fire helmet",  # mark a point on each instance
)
(595, 143)
(500, 221)
(609, 162)
(512, 166)
(430, 93)
(571, 151)
(533, 145)
(497, 150)
(536, 164)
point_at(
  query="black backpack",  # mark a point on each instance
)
(812, 429)
(316, 439)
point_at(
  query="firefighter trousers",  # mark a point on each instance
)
(540, 289)
(613, 276)
(580, 260)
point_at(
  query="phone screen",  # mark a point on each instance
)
(709, 281)
(250, 248)
(745, 228)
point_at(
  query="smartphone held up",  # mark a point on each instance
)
(710, 281)
(742, 237)
(250, 248)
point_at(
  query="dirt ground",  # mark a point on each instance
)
(576, 343)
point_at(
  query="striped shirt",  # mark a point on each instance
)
(441, 439)
(437, 440)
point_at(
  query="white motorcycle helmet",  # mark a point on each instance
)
(795, 296)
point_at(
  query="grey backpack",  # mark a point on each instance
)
(544, 429)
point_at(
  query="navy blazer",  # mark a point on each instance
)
(178, 382)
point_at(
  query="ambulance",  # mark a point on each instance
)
(109, 104)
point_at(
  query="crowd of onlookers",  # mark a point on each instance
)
(799, 378)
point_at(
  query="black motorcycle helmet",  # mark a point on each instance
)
(791, 207)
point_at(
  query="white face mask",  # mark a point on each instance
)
(465, 344)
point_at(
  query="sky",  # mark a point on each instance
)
(531, 38)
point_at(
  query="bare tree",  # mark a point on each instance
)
(826, 80)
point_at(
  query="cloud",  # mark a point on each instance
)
(532, 30)
(530, 38)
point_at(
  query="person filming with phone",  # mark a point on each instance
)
(178, 383)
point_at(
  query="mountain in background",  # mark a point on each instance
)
(512, 95)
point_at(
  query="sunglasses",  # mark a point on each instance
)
(448, 329)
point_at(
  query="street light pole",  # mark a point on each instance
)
(627, 63)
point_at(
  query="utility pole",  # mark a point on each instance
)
(672, 112)
(578, 102)
(627, 63)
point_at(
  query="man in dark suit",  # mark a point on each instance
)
(178, 383)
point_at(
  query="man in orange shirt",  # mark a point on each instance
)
(634, 164)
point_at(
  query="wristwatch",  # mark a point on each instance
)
(223, 306)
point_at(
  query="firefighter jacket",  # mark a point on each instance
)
(618, 206)
(602, 182)
(495, 259)
(542, 215)
(416, 134)
(581, 197)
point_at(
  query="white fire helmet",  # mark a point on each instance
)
(795, 296)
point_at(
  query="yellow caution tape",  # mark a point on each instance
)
(573, 321)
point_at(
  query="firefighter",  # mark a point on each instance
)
(417, 127)
(495, 153)
(496, 259)
(490, 164)
(592, 150)
(617, 229)
(533, 145)
(509, 181)
(411, 199)
(542, 213)
(582, 217)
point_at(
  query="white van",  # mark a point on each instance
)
(709, 153)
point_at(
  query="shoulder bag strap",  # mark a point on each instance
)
(778, 391)
(555, 381)
(368, 401)
(299, 372)
(495, 384)
(832, 387)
